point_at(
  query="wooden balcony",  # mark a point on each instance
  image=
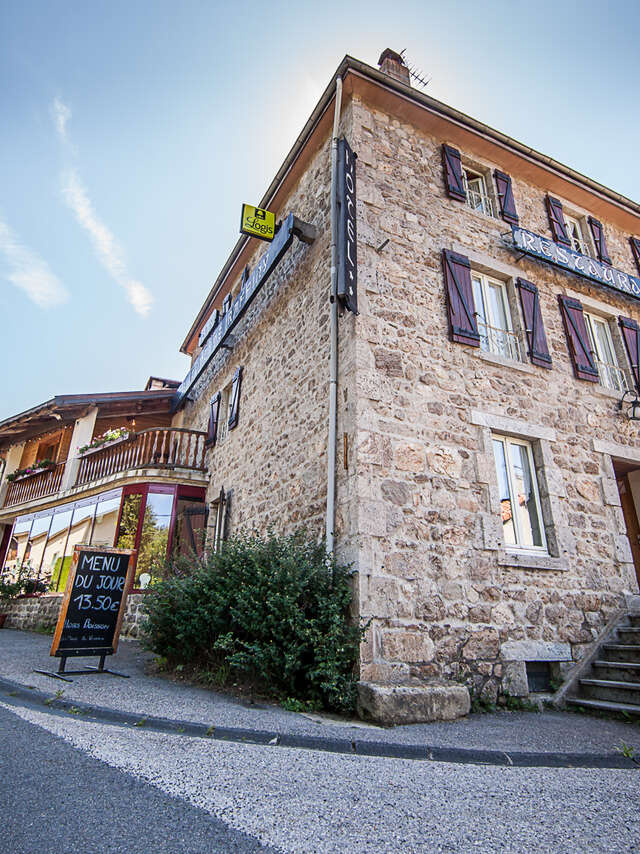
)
(33, 486)
(160, 448)
(166, 448)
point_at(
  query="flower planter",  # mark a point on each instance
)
(120, 441)
(32, 473)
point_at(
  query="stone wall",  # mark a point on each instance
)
(275, 461)
(40, 613)
(444, 595)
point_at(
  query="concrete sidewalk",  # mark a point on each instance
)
(520, 738)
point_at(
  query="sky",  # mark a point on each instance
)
(131, 133)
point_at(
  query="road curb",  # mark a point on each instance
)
(17, 694)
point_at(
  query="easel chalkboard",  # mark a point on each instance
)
(92, 608)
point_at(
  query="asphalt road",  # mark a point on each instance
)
(55, 798)
(103, 788)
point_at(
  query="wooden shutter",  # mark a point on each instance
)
(214, 415)
(584, 365)
(235, 398)
(631, 334)
(599, 240)
(462, 318)
(453, 173)
(635, 248)
(556, 221)
(536, 338)
(505, 197)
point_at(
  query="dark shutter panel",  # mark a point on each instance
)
(536, 338)
(556, 221)
(214, 415)
(631, 334)
(599, 240)
(462, 318)
(584, 365)
(505, 197)
(235, 398)
(453, 173)
(635, 248)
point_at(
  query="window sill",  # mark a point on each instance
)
(528, 560)
(495, 359)
(604, 391)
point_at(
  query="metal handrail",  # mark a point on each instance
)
(502, 342)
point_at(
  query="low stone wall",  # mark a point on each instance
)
(39, 613)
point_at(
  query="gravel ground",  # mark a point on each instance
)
(22, 652)
(306, 802)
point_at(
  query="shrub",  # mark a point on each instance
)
(275, 610)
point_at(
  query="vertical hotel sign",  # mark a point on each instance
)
(347, 286)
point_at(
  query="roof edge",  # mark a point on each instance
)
(348, 64)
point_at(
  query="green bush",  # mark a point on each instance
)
(275, 610)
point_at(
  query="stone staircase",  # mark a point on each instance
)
(612, 683)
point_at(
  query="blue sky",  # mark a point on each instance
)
(132, 132)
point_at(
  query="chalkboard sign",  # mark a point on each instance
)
(93, 602)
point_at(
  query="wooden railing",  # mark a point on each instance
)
(163, 448)
(34, 486)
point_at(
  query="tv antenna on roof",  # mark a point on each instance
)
(415, 73)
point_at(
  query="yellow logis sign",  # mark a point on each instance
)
(258, 223)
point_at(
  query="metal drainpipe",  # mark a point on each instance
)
(333, 331)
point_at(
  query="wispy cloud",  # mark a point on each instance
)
(109, 251)
(29, 272)
(107, 248)
(61, 115)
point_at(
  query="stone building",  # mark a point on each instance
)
(485, 475)
(487, 472)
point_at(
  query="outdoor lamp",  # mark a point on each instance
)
(632, 407)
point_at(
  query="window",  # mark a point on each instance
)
(519, 497)
(610, 374)
(223, 419)
(479, 192)
(577, 232)
(493, 317)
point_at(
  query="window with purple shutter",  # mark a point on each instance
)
(635, 249)
(234, 403)
(505, 197)
(599, 240)
(536, 338)
(453, 173)
(631, 335)
(556, 221)
(214, 415)
(584, 365)
(462, 318)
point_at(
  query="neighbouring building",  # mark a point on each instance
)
(100, 469)
(487, 462)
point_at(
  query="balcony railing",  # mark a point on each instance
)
(170, 448)
(32, 486)
(159, 448)
(502, 342)
(611, 376)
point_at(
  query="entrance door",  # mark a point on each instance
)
(626, 489)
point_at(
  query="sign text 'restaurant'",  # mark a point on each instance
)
(575, 262)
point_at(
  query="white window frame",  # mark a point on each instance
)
(223, 417)
(482, 198)
(582, 245)
(493, 338)
(518, 546)
(611, 375)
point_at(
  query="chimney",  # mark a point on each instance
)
(392, 63)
